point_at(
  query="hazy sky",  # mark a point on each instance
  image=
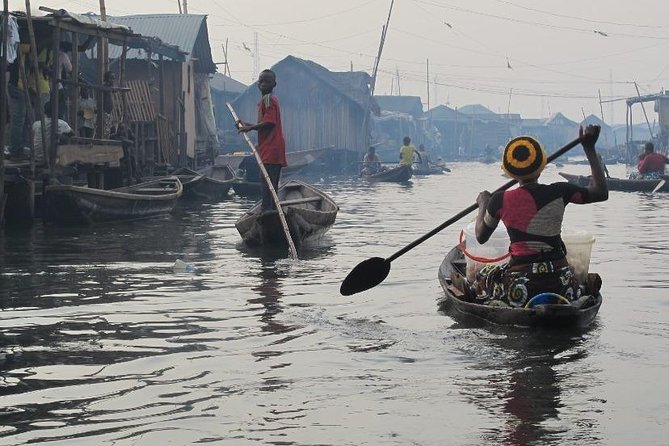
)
(525, 56)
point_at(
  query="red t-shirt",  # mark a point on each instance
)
(271, 145)
(652, 162)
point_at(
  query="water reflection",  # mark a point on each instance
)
(522, 379)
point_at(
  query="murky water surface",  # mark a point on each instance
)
(101, 342)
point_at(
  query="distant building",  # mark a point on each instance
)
(225, 89)
(183, 120)
(399, 116)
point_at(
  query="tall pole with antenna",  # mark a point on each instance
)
(372, 84)
(384, 30)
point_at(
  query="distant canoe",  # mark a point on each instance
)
(621, 184)
(420, 170)
(189, 179)
(309, 213)
(397, 174)
(84, 205)
(216, 183)
(457, 302)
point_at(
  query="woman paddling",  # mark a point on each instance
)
(532, 214)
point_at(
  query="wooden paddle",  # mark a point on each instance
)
(659, 186)
(371, 272)
(275, 197)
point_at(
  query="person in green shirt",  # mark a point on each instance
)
(407, 152)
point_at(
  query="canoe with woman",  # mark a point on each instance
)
(538, 275)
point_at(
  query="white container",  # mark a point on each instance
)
(494, 252)
(579, 248)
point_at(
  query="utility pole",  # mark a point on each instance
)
(427, 74)
(384, 30)
(226, 69)
(397, 73)
(179, 4)
(256, 59)
(508, 107)
(185, 6)
(611, 119)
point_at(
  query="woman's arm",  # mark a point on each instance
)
(598, 189)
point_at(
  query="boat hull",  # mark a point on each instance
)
(215, 184)
(397, 174)
(307, 220)
(83, 205)
(621, 184)
(451, 276)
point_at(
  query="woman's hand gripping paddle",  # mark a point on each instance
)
(371, 272)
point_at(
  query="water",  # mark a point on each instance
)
(102, 342)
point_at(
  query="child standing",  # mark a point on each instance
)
(86, 114)
(271, 144)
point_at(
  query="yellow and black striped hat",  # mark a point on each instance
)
(524, 158)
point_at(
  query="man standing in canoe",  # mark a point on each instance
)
(271, 144)
(532, 214)
(407, 151)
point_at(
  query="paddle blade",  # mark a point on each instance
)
(659, 186)
(365, 275)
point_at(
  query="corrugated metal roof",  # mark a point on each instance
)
(221, 82)
(411, 105)
(187, 31)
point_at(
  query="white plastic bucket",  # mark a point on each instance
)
(494, 252)
(579, 249)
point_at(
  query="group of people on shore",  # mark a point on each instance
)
(30, 89)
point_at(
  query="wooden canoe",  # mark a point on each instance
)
(398, 174)
(420, 170)
(621, 184)
(216, 183)
(84, 205)
(189, 179)
(309, 213)
(460, 303)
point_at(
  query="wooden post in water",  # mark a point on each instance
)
(3, 107)
(55, 100)
(38, 89)
(74, 91)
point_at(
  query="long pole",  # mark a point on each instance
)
(275, 197)
(185, 6)
(372, 85)
(3, 105)
(38, 89)
(427, 74)
(650, 130)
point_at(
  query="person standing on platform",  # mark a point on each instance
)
(271, 143)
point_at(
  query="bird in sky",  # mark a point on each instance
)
(246, 47)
